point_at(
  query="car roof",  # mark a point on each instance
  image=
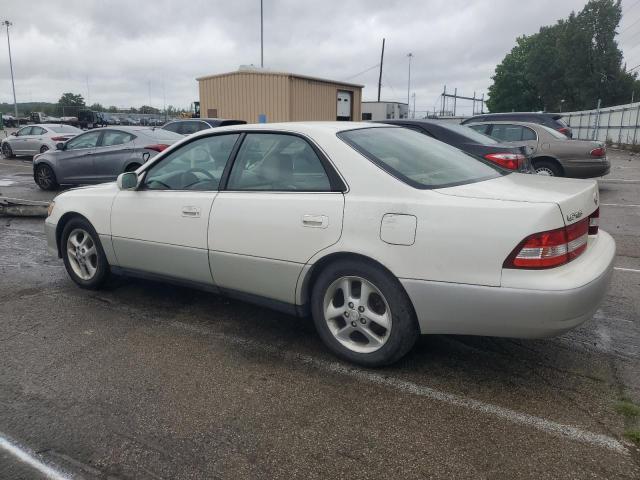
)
(506, 122)
(298, 127)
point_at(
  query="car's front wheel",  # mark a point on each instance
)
(6, 150)
(363, 314)
(83, 256)
(45, 177)
(43, 148)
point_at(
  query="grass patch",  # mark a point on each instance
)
(628, 409)
(633, 435)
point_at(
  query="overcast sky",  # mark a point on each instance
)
(127, 53)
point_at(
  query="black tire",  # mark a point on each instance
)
(6, 150)
(45, 177)
(132, 167)
(404, 329)
(547, 167)
(100, 263)
(43, 148)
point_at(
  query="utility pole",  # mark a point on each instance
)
(380, 76)
(414, 105)
(7, 24)
(261, 38)
(410, 55)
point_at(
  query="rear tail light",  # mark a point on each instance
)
(598, 152)
(564, 131)
(59, 139)
(158, 147)
(594, 222)
(550, 249)
(511, 161)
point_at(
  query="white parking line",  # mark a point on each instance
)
(29, 459)
(622, 269)
(547, 426)
(619, 205)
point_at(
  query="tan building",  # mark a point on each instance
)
(258, 95)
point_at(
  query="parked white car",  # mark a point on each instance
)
(381, 233)
(34, 139)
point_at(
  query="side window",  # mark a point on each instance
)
(366, 115)
(38, 131)
(480, 128)
(507, 133)
(86, 140)
(528, 134)
(277, 162)
(197, 165)
(24, 131)
(189, 127)
(203, 126)
(115, 137)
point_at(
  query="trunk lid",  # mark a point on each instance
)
(576, 198)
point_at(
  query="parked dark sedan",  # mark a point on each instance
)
(99, 155)
(189, 126)
(551, 120)
(512, 156)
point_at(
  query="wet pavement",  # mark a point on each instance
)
(145, 380)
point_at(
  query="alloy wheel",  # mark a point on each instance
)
(82, 254)
(43, 149)
(357, 314)
(44, 176)
(545, 171)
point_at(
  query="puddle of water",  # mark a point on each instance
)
(5, 182)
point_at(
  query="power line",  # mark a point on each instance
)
(362, 72)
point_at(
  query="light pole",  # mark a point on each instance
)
(7, 24)
(410, 55)
(261, 38)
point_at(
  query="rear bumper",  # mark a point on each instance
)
(591, 170)
(451, 308)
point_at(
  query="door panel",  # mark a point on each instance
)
(163, 232)
(271, 238)
(75, 163)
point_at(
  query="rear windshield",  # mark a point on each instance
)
(555, 133)
(65, 129)
(472, 135)
(418, 160)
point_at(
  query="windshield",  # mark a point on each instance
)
(472, 135)
(416, 159)
(65, 129)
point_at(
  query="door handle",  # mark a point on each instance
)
(315, 221)
(190, 211)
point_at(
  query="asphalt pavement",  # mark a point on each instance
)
(144, 380)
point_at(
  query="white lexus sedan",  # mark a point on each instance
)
(379, 232)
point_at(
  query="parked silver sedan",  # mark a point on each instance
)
(554, 154)
(34, 139)
(99, 155)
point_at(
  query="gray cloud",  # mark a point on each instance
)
(132, 50)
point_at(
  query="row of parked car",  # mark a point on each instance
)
(65, 155)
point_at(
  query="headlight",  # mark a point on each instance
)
(50, 209)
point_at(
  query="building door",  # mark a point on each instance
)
(344, 105)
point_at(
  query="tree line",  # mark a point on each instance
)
(566, 66)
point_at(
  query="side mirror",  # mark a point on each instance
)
(15, 134)
(60, 146)
(145, 157)
(127, 181)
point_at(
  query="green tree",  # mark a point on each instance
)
(97, 107)
(71, 100)
(568, 65)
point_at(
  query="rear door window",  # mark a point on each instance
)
(115, 137)
(512, 133)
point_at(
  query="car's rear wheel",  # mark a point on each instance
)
(83, 256)
(545, 167)
(45, 177)
(363, 314)
(43, 148)
(6, 150)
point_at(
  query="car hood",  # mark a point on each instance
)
(576, 198)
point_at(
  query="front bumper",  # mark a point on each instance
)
(50, 232)
(452, 308)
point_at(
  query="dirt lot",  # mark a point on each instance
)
(145, 380)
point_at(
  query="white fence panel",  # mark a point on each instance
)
(618, 124)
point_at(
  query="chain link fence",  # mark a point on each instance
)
(617, 124)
